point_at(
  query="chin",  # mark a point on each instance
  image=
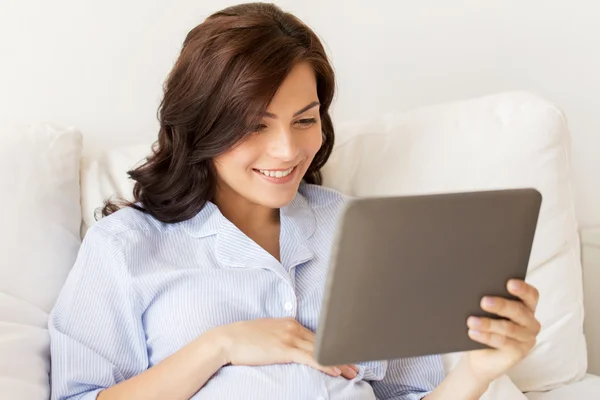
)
(276, 198)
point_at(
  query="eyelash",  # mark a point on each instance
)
(304, 122)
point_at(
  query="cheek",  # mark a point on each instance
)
(234, 161)
(314, 140)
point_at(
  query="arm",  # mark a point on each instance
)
(458, 385)
(177, 377)
(98, 344)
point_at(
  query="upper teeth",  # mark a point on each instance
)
(276, 174)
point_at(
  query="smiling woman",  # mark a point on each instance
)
(209, 285)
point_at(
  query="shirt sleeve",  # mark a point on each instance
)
(410, 378)
(96, 334)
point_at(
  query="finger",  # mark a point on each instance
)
(354, 367)
(524, 291)
(493, 340)
(348, 372)
(302, 357)
(305, 333)
(501, 327)
(305, 345)
(514, 310)
(296, 329)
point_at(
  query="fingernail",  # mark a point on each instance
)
(474, 321)
(337, 370)
(489, 301)
(515, 285)
(474, 332)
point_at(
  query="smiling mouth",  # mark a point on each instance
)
(276, 173)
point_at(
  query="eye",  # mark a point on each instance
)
(258, 128)
(306, 122)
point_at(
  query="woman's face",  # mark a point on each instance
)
(267, 167)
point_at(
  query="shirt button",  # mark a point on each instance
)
(288, 306)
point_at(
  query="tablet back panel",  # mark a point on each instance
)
(406, 272)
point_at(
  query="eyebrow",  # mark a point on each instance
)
(303, 109)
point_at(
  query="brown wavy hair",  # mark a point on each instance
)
(229, 69)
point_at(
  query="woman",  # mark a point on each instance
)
(209, 285)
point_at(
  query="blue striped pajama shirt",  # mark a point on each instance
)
(140, 290)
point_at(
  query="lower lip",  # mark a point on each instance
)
(282, 180)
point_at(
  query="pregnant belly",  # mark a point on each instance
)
(288, 381)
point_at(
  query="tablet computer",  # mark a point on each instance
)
(406, 272)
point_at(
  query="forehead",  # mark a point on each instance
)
(297, 90)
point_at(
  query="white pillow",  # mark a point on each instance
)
(41, 216)
(499, 141)
(104, 176)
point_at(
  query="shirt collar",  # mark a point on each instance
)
(235, 249)
(297, 216)
(205, 223)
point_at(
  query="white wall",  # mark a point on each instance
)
(100, 65)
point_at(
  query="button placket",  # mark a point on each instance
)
(288, 297)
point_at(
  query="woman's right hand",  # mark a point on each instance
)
(273, 341)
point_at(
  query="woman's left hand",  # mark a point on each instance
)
(511, 339)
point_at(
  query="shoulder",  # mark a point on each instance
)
(128, 232)
(108, 241)
(119, 242)
(129, 219)
(139, 233)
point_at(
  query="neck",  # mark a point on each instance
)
(247, 216)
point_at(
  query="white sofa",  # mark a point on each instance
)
(504, 140)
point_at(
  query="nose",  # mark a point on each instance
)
(282, 145)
